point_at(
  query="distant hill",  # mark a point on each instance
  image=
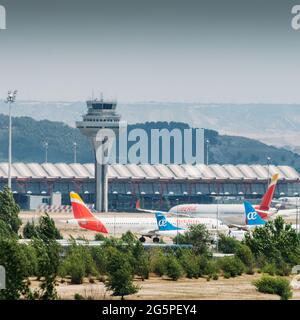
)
(29, 136)
(273, 124)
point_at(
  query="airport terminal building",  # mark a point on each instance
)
(158, 186)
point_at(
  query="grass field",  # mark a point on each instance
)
(155, 288)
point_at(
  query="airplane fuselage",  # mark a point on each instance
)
(227, 213)
(118, 225)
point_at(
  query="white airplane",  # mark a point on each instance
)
(145, 226)
(182, 222)
(253, 220)
(231, 213)
(167, 227)
(288, 202)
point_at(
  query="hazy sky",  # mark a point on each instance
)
(168, 50)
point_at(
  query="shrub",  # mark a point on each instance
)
(173, 268)
(76, 270)
(139, 260)
(274, 285)
(279, 268)
(269, 268)
(228, 244)
(231, 266)
(100, 258)
(99, 237)
(245, 255)
(282, 268)
(157, 262)
(142, 267)
(78, 263)
(215, 276)
(203, 266)
(190, 263)
(212, 268)
(78, 296)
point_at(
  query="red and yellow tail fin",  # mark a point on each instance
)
(80, 210)
(268, 197)
(84, 215)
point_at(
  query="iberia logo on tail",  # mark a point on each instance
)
(267, 199)
(83, 215)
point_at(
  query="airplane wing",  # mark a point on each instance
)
(73, 221)
(138, 208)
(148, 233)
(240, 227)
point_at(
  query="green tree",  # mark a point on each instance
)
(120, 275)
(228, 244)
(5, 230)
(190, 263)
(30, 259)
(245, 255)
(157, 262)
(78, 263)
(198, 236)
(13, 259)
(30, 230)
(48, 261)
(47, 229)
(99, 237)
(9, 210)
(276, 241)
(141, 263)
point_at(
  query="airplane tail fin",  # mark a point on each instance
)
(138, 204)
(163, 224)
(252, 217)
(80, 209)
(268, 197)
(85, 218)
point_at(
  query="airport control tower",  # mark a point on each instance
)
(100, 115)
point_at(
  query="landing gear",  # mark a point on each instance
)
(142, 239)
(156, 240)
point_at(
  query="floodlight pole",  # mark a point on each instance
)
(207, 152)
(217, 244)
(296, 194)
(269, 160)
(46, 145)
(75, 151)
(11, 98)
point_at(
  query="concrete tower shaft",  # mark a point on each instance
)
(100, 115)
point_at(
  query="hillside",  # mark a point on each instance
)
(29, 136)
(272, 124)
